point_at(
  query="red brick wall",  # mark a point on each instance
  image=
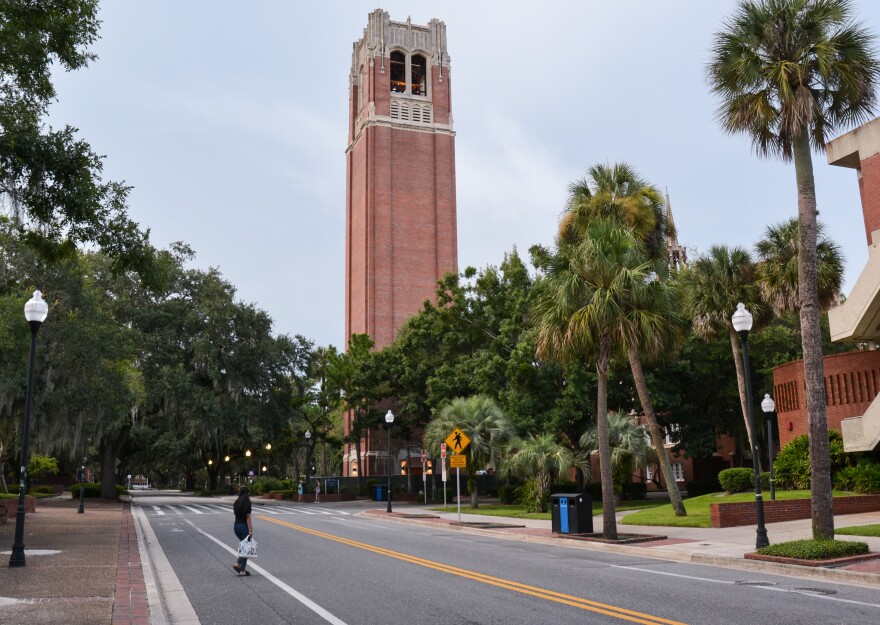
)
(852, 380)
(869, 187)
(744, 513)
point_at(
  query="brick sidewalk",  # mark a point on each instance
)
(93, 576)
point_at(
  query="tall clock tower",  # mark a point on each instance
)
(400, 178)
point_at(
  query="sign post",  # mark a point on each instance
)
(443, 470)
(425, 474)
(458, 440)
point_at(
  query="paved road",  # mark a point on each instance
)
(322, 563)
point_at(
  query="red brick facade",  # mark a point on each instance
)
(869, 189)
(401, 235)
(852, 380)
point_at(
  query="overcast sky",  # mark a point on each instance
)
(229, 119)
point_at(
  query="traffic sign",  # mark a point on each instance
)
(424, 455)
(457, 440)
(458, 461)
(442, 450)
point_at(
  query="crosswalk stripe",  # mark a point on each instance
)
(158, 510)
(193, 509)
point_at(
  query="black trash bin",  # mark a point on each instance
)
(571, 513)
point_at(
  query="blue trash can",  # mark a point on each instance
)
(571, 513)
(379, 493)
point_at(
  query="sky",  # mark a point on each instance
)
(229, 120)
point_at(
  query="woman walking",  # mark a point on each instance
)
(242, 527)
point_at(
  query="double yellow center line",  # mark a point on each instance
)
(534, 591)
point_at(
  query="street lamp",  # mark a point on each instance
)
(35, 311)
(742, 323)
(389, 419)
(769, 407)
(308, 436)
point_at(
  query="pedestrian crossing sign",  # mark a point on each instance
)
(457, 441)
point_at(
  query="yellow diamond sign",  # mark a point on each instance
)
(457, 441)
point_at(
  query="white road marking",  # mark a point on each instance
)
(191, 508)
(756, 587)
(311, 605)
(158, 511)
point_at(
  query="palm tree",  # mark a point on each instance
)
(627, 440)
(654, 328)
(540, 457)
(578, 313)
(482, 421)
(778, 267)
(618, 193)
(788, 74)
(711, 288)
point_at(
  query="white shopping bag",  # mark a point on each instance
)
(247, 548)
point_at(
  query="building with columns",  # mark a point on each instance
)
(401, 233)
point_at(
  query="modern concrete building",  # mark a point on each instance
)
(852, 380)
(400, 183)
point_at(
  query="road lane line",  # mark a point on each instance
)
(311, 605)
(534, 591)
(158, 511)
(771, 588)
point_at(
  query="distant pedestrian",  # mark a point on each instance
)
(242, 528)
(299, 492)
(317, 491)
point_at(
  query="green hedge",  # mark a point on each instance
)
(815, 549)
(93, 489)
(862, 478)
(737, 480)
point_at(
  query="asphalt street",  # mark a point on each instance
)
(325, 563)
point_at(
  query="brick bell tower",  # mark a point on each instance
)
(400, 181)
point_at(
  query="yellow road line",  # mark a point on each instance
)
(534, 591)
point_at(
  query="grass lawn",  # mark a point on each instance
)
(698, 509)
(519, 512)
(859, 530)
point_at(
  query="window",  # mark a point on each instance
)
(672, 434)
(398, 72)
(419, 73)
(649, 472)
(678, 471)
(409, 74)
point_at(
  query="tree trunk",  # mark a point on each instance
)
(609, 521)
(110, 446)
(212, 478)
(811, 340)
(741, 382)
(635, 365)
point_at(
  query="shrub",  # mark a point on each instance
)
(737, 480)
(792, 466)
(862, 478)
(507, 493)
(42, 490)
(528, 496)
(703, 487)
(815, 549)
(93, 489)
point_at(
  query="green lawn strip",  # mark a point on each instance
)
(519, 512)
(698, 509)
(859, 530)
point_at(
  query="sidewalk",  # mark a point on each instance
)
(81, 569)
(717, 547)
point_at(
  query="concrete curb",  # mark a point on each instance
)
(169, 603)
(789, 570)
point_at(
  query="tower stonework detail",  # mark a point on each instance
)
(400, 177)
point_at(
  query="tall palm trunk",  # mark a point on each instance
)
(741, 385)
(635, 364)
(609, 521)
(811, 340)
